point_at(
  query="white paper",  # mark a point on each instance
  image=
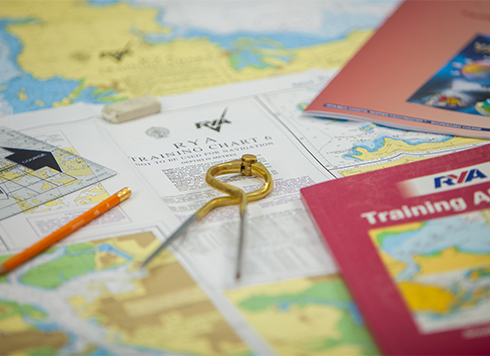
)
(88, 141)
(174, 149)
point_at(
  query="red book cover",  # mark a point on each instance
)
(427, 68)
(413, 245)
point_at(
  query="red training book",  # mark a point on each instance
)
(427, 68)
(413, 245)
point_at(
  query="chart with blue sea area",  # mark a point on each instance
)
(33, 172)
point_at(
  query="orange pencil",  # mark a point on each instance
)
(64, 231)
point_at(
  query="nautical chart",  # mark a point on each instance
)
(33, 172)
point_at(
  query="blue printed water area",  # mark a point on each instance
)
(469, 234)
(112, 249)
(26, 93)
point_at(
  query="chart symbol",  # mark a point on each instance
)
(33, 159)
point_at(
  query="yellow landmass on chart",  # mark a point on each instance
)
(105, 48)
(50, 204)
(14, 323)
(23, 204)
(47, 186)
(160, 309)
(392, 147)
(22, 95)
(307, 316)
(448, 260)
(426, 298)
(73, 166)
(94, 195)
(9, 175)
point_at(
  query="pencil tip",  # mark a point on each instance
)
(3, 270)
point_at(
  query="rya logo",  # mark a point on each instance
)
(464, 177)
(215, 124)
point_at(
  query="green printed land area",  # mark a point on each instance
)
(52, 274)
(313, 316)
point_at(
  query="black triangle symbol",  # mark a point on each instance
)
(33, 159)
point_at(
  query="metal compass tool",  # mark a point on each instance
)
(248, 166)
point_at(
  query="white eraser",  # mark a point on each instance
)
(131, 109)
